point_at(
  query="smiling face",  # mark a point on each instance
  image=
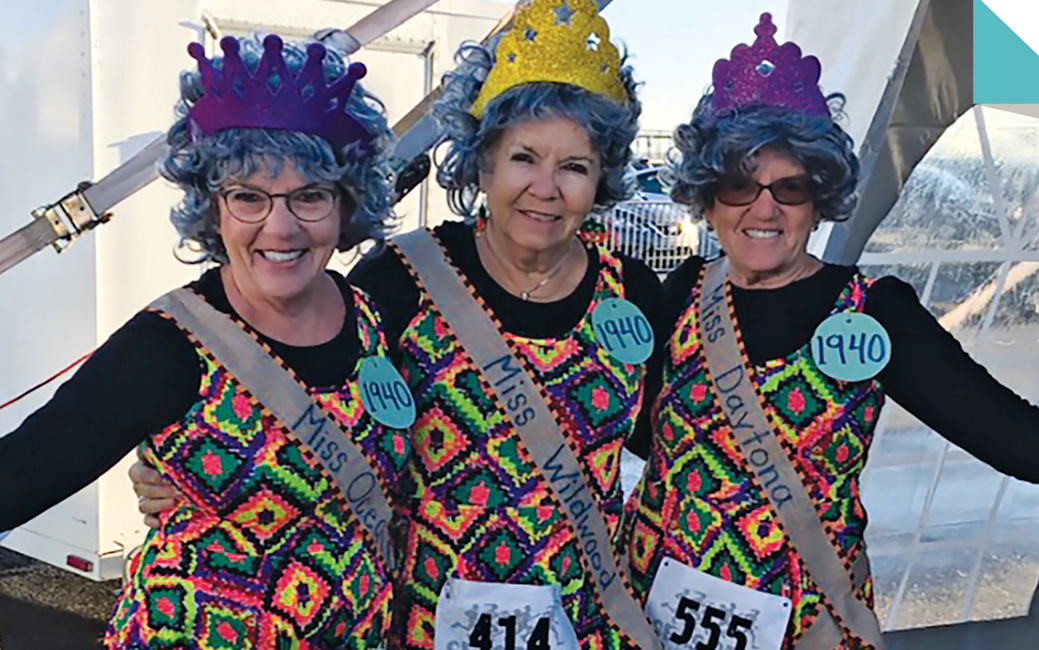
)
(540, 180)
(280, 258)
(765, 238)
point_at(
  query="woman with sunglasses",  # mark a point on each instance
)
(246, 391)
(748, 522)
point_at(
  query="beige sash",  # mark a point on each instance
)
(534, 423)
(283, 396)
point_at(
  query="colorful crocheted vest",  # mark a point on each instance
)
(262, 552)
(699, 503)
(480, 509)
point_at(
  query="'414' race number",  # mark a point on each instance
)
(711, 620)
(499, 616)
(482, 635)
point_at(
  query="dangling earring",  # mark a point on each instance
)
(592, 232)
(480, 224)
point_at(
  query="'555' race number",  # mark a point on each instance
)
(711, 620)
(692, 610)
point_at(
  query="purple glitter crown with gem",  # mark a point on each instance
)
(236, 98)
(767, 74)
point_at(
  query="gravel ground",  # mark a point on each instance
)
(43, 608)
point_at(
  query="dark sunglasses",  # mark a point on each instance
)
(741, 190)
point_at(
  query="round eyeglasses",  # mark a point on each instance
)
(739, 191)
(251, 205)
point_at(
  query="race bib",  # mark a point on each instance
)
(692, 610)
(496, 616)
(851, 347)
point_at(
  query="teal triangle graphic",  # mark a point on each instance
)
(1006, 70)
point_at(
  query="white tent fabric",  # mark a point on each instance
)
(906, 69)
(858, 44)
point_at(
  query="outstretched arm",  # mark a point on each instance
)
(145, 377)
(936, 380)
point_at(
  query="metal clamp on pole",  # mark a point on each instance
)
(86, 208)
(70, 217)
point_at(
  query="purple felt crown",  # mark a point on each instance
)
(236, 98)
(767, 74)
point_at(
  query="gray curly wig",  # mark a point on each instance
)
(709, 147)
(203, 164)
(612, 127)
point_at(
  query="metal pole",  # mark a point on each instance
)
(60, 223)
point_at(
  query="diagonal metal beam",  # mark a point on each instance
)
(86, 208)
(929, 89)
(60, 223)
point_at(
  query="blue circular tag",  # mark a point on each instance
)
(385, 395)
(623, 330)
(851, 347)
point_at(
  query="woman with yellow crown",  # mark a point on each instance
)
(524, 347)
(747, 525)
(262, 391)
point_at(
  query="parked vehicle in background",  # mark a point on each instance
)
(649, 184)
(653, 228)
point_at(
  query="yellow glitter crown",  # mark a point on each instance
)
(562, 41)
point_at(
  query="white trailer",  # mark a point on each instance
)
(85, 84)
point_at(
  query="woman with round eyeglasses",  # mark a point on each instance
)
(502, 543)
(748, 522)
(247, 390)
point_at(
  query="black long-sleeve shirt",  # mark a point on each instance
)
(145, 377)
(390, 284)
(387, 280)
(929, 374)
